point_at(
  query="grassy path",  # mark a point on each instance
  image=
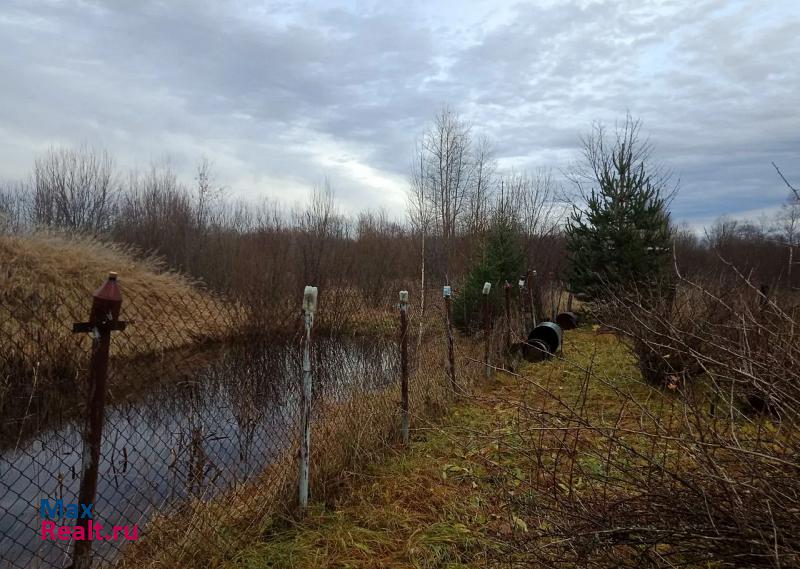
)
(449, 500)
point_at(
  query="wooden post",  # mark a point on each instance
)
(451, 358)
(404, 363)
(103, 319)
(533, 287)
(763, 297)
(569, 302)
(507, 338)
(487, 327)
(309, 308)
(522, 301)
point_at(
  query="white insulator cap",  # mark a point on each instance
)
(310, 300)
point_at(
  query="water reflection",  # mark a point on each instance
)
(174, 440)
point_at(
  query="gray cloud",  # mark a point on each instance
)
(279, 95)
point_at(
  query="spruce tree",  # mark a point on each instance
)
(620, 240)
(502, 260)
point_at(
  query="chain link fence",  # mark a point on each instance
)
(202, 417)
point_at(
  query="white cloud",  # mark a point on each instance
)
(279, 95)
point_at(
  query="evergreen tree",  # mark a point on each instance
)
(502, 260)
(621, 239)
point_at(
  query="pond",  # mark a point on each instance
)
(176, 440)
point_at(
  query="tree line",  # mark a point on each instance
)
(462, 210)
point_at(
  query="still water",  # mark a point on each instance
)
(175, 440)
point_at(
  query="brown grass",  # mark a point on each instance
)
(346, 437)
(504, 480)
(46, 284)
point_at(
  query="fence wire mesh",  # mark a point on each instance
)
(202, 416)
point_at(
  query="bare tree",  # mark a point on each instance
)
(419, 199)
(451, 180)
(15, 202)
(447, 174)
(603, 154)
(157, 214)
(74, 189)
(421, 215)
(320, 224)
(790, 223)
(721, 232)
(379, 262)
(483, 181)
(208, 196)
(532, 196)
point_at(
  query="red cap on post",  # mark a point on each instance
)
(107, 299)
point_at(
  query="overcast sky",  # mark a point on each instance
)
(280, 95)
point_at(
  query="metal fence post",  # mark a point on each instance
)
(404, 363)
(103, 319)
(309, 308)
(447, 292)
(487, 327)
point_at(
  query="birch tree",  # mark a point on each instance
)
(445, 170)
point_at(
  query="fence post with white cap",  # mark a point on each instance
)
(447, 292)
(309, 308)
(404, 363)
(487, 327)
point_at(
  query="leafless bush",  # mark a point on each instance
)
(15, 204)
(376, 240)
(609, 471)
(725, 334)
(156, 214)
(717, 476)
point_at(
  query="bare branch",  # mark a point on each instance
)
(795, 191)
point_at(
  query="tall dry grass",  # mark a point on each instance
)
(47, 281)
(46, 284)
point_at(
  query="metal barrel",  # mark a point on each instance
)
(535, 351)
(544, 341)
(567, 320)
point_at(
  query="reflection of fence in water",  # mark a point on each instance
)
(180, 440)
